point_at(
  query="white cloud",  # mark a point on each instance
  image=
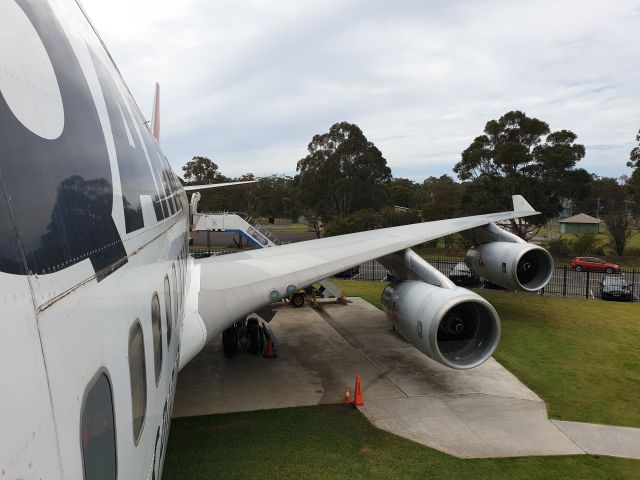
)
(249, 83)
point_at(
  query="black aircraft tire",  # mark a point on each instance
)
(254, 340)
(230, 342)
(263, 338)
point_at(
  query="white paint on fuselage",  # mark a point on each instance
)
(27, 81)
(148, 212)
(89, 329)
(28, 442)
(128, 132)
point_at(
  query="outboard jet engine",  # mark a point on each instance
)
(514, 266)
(507, 260)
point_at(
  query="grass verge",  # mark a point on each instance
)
(327, 442)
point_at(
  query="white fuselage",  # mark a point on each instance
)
(68, 311)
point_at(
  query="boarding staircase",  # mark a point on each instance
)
(235, 222)
(243, 224)
(232, 222)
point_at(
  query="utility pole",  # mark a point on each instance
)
(598, 209)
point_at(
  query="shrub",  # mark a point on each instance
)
(587, 244)
(561, 247)
(341, 226)
(632, 251)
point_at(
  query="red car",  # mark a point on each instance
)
(593, 264)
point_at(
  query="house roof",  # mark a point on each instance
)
(580, 218)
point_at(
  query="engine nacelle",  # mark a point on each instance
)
(454, 327)
(514, 266)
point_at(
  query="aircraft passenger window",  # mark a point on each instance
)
(98, 432)
(156, 331)
(168, 308)
(138, 377)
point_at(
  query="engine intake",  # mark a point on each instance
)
(514, 266)
(454, 327)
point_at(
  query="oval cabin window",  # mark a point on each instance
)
(98, 440)
(156, 331)
(138, 377)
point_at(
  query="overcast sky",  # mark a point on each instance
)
(248, 83)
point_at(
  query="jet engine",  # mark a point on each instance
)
(454, 327)
(514, 266)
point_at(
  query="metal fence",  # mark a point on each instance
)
(564, 282)
(204, 251)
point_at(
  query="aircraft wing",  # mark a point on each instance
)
(228, 287)
(197, 188)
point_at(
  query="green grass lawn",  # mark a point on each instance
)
(582, 357)
(288, 227)
(370, 291)
(327, 442)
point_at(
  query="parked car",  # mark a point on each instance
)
(593, 264)
(616, 287)
(461, 275)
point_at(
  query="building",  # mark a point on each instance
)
(580, 224)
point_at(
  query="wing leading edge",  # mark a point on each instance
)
(235, 285)
(197, 188)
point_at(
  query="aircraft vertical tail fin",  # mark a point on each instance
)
(155, 116)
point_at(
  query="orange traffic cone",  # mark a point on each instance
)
(347, 396)
(270, 353)
(358, 401)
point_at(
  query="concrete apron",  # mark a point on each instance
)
(479, 413)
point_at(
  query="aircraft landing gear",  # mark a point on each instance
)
(230, 341)
(247, 335)
(256, 336)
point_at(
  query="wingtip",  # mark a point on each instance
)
(521, 205)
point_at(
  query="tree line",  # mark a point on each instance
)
(345, 184)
